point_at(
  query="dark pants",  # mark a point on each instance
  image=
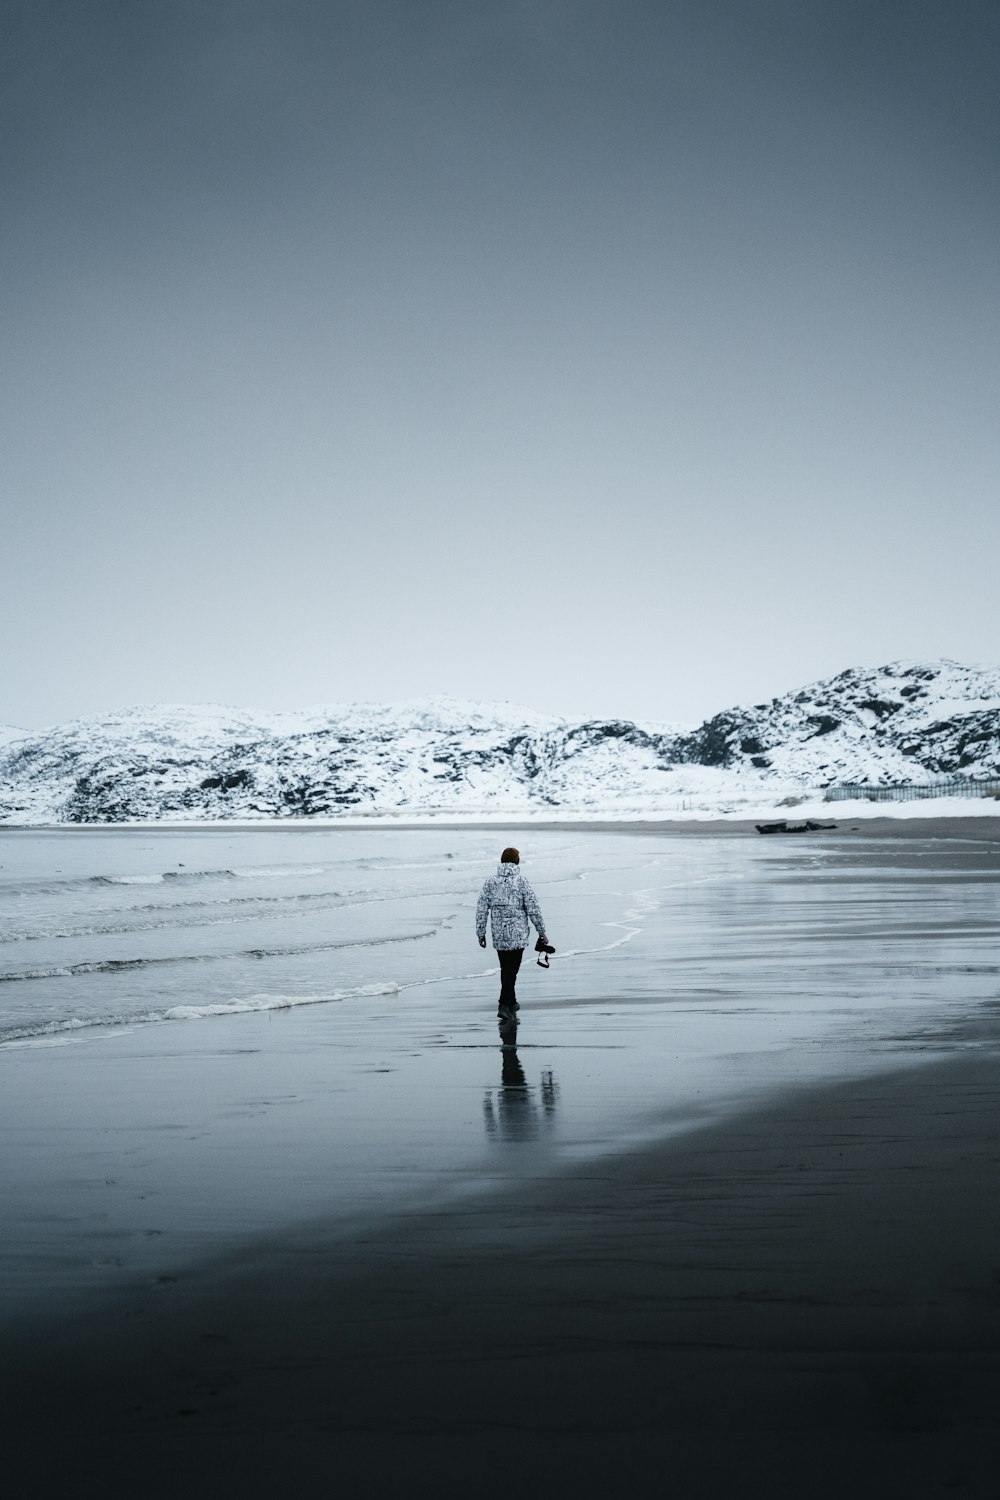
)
(510, 962)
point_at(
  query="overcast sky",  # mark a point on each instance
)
(606, 356)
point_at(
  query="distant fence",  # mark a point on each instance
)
(986, 786)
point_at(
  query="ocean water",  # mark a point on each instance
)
(108, 929)
(105, 929)
(208, 1035)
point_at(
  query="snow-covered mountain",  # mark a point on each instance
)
(903, 722)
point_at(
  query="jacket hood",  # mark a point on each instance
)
(508, 871)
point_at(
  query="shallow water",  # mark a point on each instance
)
(112, 928)
(208, 1035)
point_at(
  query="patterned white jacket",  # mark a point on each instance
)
(508, 900)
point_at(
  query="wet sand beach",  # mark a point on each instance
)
(740, 1238)
(803, 1301)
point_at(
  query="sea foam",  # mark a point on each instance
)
(243, 1005)
(249, 1003)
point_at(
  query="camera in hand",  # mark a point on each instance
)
(543, 950)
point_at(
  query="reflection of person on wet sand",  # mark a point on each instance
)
(511, 1112)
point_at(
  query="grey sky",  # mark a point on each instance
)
(602, 355)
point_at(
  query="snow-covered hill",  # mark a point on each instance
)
(906, 722)
(903, 722)
(200, 762)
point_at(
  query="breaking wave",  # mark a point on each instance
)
(251, 1003)
(165, 875)
(92, 966)
(114, 965)
(242, 1005)
(380, 864)
(261, 872)
(248, 909)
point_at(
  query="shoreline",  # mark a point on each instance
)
(911, 820)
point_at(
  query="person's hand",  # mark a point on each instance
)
(482, 942)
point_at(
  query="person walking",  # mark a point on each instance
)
(510, 903)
